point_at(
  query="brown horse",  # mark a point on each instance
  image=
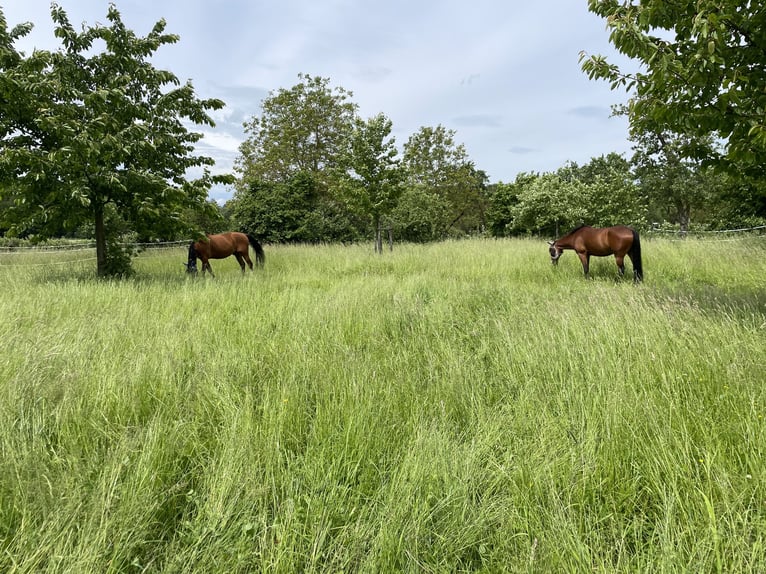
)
(586, 241)
(221, 246)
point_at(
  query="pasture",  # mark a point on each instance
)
(454, 407)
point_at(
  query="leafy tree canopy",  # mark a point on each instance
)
(436, 165)
(95, 125)
(702, 70)
(375, 172)
(304, 129)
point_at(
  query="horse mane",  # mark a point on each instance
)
(578, 228)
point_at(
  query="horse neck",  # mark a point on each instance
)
(566, 242)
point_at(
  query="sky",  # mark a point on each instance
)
(503, 75)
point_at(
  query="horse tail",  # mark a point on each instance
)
(260, 257)
(635, 257)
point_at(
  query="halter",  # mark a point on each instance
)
(555, 251)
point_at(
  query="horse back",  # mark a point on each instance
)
(604, 241)
(619, 238)
(594, 241)
(222, 245)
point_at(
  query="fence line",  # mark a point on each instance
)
(738, 230)
(47, 264)
(712, 240)
(705, 232)
(88, 245)
(160, 246)
(710, 236)
(46, 248)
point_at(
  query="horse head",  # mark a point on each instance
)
(555, 252)
(191, 265)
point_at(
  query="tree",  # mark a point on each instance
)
(549, 204)
(503, 198)
(375, 169)
(291, 212)
(440, 169)
(611, 194)
(703, 62)
(675, 185)
(304, 129)
(737, 203)
(277, 212)
(93, 129)
(600, 193)
(420, 215)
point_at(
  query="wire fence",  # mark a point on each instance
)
(17, 256)
(86, 250)
(712, 235)
(80, 246)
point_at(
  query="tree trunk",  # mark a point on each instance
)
(684, 218)
(100, 241)
(379, 236)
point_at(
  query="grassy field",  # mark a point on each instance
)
(455, 407)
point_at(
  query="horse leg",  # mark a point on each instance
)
(620, 260)
(241, 261)
(585, 259)
(206, 267)
(249, 261)
(636, 276)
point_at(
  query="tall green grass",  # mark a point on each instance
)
(461, 406)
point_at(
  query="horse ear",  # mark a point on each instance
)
(550, 243)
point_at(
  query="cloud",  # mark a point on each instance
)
(479, 120)
(222, 142)
(591, 112)
(470, 79)
(499, 73)
(373, 73)
(521, 150)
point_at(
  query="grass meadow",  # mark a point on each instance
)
(453, 407)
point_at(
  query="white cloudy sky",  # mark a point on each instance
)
(503, 74)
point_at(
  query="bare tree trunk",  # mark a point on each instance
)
(100, 240)
(684, 218)
(379, 236)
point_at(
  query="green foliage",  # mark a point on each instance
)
(119, 246)
(675, 186)
(118, 259)
(503, 199)
(94, 126)
(374, 169)
(700, 62)
(438, 167)
(291, 212)
(600, 193)
(304, 129)
(612, 195)
(420, 215)
(550, 204)
(276, 212)
(213, 219)
(357, 175)
(738, 203)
